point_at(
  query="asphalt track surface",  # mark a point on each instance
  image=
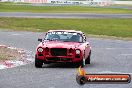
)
(62, 15)
(120, 7)
(108, 56)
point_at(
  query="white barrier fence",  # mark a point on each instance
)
(75, 2)
(123, 2)
(68, 2)
(88, 3)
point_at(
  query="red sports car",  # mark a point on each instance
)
(63, 46)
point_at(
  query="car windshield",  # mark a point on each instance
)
(63, 36)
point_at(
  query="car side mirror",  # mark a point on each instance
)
(40, 40)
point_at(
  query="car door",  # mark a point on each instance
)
(86, 46)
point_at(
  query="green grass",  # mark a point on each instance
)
(109, 27)
(10, 7)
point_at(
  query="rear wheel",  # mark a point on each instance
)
(88, 58)
(38, 63)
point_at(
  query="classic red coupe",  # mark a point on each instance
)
(63, 46)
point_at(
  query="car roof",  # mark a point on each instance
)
(66, 31)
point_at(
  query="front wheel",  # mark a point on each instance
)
(81, 63)
(38, 63)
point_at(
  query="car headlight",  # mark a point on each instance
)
(40, 49)
(78, 52)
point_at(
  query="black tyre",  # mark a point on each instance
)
(81, 63)
(38, 63)
(88, 58)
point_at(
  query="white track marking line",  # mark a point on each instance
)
(113, 48)
(3, 45)
(117, 48)
(110, 72)
(2, 67)
(125, 54)
(16, 34)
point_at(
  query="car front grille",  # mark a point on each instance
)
(58, 51)
(58, 59)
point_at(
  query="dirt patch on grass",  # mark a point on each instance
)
(12, 57)
(8, 54)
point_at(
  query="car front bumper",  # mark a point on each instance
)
(62, 59)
